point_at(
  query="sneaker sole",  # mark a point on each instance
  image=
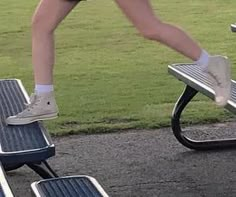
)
(32, 119)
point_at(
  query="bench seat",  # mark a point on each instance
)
(191, 75)
(70, 186)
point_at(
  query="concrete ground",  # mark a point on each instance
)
(143, 164)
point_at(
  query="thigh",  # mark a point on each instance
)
(139, 12)
(52, 12)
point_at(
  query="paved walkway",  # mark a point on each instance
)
(143, 164)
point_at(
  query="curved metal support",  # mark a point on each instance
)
(45, 171)
(182, 102)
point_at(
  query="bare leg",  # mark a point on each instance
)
(51, 12)
(140, 13)
(48, 15)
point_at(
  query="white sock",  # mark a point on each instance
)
(203, 60)
(43, 88)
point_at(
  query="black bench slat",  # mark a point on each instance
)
(21, 138)
(191, 75)
(24, 143)
(71, 186)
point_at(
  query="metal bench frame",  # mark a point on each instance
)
(194, 86)
(5, 188)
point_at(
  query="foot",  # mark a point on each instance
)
(218, 70)
(41, 107)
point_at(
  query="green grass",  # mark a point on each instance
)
(108, 78)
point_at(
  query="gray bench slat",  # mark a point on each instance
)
(70, 186)
(25, 143)
(5, 190)
(191, 75)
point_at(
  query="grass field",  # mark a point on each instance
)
(108, 78)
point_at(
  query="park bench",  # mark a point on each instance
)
(233, 27)
(196, 81)
(31, 145)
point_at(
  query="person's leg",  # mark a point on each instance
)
(141, 14)
(46, 18)
(48, 15)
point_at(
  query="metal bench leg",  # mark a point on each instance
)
(43, 169)
(182, 102)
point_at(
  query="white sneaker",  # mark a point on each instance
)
(41, 107)
(219, 72)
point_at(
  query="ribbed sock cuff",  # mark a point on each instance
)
(203, 60)
(43, 88)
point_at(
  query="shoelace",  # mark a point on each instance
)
(30, 105)
(31, 100)
(218, 81)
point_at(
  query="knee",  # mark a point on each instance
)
(152, 32)
(40, 25)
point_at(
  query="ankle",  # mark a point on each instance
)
(203, 60)
(41, 89)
